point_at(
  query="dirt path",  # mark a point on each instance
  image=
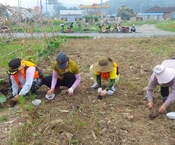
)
(148, 29)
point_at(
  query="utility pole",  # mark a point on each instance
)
(101, 9)
(46, 6)
(18, 4)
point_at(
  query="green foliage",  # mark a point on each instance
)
(164, 50)
(22, 100)
(96, 18)
(89, 18)
(74, 141)
(2, 99)
(126, 13)
(51, 47)
(3, 118)
(167, 25)
(1, 81)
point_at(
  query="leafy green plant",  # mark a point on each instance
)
(1, 81)
(73, 141)
(22, 100)
(3, 118)
(2, 99)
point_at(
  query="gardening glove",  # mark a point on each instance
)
(70, 91)
(99, 90)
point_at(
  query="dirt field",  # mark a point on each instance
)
(121, 119)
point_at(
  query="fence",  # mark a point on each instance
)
(17, 37)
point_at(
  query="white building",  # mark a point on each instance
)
(71, 15)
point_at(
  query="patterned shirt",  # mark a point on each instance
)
(153, 82)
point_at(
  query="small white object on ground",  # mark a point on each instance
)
(36, 102)
(171, 115)
(50, 97)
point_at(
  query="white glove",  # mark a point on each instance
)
(70, 91)
(110, 92)
(99, 90)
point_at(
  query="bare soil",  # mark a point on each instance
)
(120, 119)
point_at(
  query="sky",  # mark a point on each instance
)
(33, 3)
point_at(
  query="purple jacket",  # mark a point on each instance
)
(153, 82)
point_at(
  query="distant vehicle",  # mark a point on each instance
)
(4, 29)
(107, 29)
(69, 29)
(118, 29)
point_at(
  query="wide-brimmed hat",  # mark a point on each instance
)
(163, 74)
(62, 60)
(104, 64)
(14, 64)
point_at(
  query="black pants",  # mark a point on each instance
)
(68, 80)
(164, 91)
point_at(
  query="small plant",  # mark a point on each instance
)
(22, 101)
(1, 81)
(3, 118)
(2, 100)
(73, 141)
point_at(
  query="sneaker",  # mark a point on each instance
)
(94, 86)
(110, 92)
(113, 88)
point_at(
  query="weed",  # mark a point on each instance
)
(3, 118)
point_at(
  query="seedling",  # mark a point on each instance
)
(2, 99)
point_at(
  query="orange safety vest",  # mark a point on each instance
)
(27, 64)
(105, 75)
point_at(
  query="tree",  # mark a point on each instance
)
(89, 18)
(73, 8)
(57, 7)
(125, 13)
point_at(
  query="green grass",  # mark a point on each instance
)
(53, 26)
(167, 25)
(3, 118)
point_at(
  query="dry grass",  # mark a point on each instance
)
(121, 119)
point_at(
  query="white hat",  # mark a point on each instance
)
(163, 74)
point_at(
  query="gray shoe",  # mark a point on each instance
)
(113, 88)
(94, 86)
(110, 92)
